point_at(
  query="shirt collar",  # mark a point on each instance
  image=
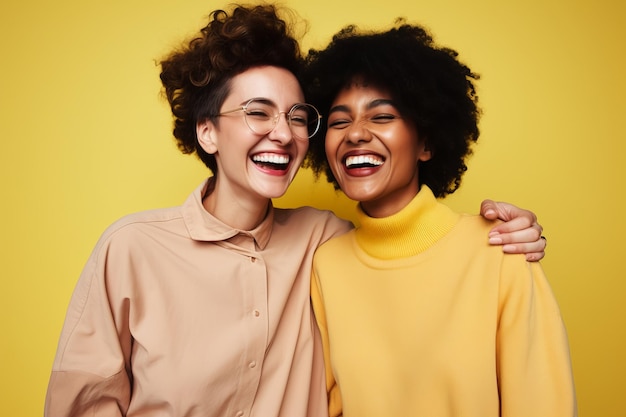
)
(203, 226)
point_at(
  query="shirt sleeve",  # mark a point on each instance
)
(533, 359)
(91, 371)
(335, 408)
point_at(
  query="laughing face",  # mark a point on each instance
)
(372, 150)
(253, 165)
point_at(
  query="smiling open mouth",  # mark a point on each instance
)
(363, 161)
(271, 161)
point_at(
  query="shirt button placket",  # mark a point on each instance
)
(256, 305)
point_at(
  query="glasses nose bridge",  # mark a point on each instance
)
(265, 119)
(282, 131)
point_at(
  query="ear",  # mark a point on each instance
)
(425, 153)
(205, 131)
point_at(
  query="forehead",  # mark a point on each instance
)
(274, 83)
(359, 91)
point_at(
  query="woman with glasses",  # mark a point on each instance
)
(204, 309)
(418, 314)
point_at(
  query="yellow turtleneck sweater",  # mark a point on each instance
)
(420, 316)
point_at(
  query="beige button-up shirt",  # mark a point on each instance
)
(177, 314)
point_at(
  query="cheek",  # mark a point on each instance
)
(401, 142)
(303, 147)
(331, 144)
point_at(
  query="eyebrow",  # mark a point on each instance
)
(268, 101)
(261, 99)
(372, 104)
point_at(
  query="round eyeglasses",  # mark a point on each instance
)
(261, 116)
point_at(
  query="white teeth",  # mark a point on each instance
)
(363, 159)
(271, 158)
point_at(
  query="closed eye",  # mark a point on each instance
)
(383, 118)
(298, 120)
(258, 114)
(338, 124)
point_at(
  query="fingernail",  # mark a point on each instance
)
(495, 241)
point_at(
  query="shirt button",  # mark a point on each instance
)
(257, 313)
(252, 364)
(239, 413)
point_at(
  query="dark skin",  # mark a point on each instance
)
(364, 121)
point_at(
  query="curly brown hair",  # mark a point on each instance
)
(426, 81)
(196, 78)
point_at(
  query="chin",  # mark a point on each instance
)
(273, 192)
(272, 187)
(359, 194)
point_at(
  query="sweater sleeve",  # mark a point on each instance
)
(90, 375)
(533, 359)
(334, 395)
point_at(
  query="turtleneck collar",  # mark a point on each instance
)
(409, 232)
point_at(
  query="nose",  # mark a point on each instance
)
(281, 131)
(358, 132)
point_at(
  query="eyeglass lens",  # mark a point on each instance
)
(262, 116)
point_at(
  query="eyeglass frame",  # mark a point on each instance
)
(275, 117)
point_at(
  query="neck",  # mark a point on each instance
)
(392, 203)
(237, 211)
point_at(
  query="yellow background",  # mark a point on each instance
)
(86, 139)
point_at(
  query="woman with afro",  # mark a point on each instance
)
(419, 315)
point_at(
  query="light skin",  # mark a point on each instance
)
(516, 229)
(244, 186)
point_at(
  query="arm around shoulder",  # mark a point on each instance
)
(520, 232)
